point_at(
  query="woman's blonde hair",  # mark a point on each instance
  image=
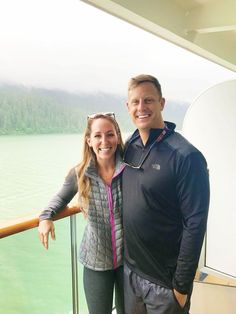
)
(84, 185)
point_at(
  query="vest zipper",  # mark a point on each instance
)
(112, 223)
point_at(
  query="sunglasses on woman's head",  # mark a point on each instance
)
(101, 114)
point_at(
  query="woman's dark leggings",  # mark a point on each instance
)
(99, 286)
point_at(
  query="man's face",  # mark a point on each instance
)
(145, 105)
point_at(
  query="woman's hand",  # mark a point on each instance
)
(45, 227)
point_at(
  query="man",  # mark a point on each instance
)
(166, 199)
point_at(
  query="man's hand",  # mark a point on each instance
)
(181, 298)
(46, 227)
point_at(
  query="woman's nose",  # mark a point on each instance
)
(104, 139)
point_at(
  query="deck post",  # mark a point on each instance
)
(74, 265)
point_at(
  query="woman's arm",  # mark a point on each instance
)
(58, 202)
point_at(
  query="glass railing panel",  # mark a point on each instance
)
(33, 280)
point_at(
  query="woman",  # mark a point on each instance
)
(97, 181)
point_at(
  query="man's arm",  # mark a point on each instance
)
(193, 194)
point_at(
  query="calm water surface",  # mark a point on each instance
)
(33, 280)
(32, 169)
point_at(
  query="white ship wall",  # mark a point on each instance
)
(210, 124)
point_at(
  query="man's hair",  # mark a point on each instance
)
(142, 78)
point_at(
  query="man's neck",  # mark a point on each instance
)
(144, 133)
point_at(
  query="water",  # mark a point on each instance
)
(33, 280)
(32, 168)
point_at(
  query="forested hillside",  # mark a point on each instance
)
(31, 111)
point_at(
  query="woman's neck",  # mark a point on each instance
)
(106, 171)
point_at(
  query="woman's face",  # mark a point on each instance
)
(103, 139)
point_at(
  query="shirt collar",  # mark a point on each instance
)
(154, 133)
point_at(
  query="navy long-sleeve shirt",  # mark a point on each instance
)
(165, 208)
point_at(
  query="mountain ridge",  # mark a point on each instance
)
(30, 110)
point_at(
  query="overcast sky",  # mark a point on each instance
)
(70, 45)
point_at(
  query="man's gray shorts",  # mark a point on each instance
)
(145, 297)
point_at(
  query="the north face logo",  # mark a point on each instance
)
(156, 166)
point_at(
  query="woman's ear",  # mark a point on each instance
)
(88, 141)
(119, 140)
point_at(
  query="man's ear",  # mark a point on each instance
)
(127, 104)
(163, 101)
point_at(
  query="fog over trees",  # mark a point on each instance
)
(42, 111)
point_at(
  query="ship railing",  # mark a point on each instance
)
(15, 226)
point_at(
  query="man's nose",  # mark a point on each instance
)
(141, 104)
